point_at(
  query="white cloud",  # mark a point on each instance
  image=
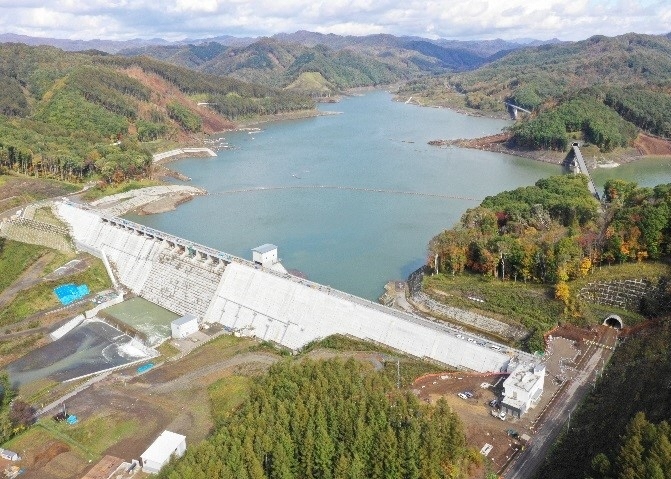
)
(204, 6)
(466, 19)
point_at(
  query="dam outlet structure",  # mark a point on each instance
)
(248, 299)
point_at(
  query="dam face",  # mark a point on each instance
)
(249, 300)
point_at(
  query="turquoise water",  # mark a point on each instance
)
(350, 239)
(648, 172)
(144, 316)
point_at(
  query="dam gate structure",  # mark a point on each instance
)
(248, 299)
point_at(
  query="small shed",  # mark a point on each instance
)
(9, 455)
(165, 446)
(182, 327)
(265, 255)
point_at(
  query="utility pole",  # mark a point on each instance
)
(568, 426)
(398, 374)
(503, 267)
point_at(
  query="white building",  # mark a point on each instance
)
(182, 327)
(265, 255)
(9, 455)
(523, 388)
(162, 449)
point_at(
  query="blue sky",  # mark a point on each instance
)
(456, 19)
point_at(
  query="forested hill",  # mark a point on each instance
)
(330, 419)
(279, 64)
(307, 61)
(601, 89)
(69, 114)
(338, 62)
(556, 233)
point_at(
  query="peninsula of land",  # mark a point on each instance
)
(644, 146)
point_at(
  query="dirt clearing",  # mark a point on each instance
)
(564, 356)
(649, 145)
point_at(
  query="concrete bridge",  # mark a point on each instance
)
(513, 109)
(580, 163)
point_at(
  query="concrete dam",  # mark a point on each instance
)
(250, 300)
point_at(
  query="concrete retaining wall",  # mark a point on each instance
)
(184, 152)
(624, 294)
(38, 233)
(67, 327)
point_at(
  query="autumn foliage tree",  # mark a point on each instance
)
(531, 233)
(554, 231)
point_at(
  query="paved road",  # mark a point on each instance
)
(529, 461)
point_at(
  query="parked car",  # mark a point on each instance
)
(468, 394)
(462, 395)
(502, 415)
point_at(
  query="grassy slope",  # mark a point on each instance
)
(533, 305)
(18, 190)
(15, 257)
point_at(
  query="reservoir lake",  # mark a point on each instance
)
(394, 191)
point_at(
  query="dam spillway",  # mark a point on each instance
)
(185, 277)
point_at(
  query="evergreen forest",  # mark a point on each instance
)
(622, 428)
(330, 419)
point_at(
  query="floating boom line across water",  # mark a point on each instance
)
(345, 188)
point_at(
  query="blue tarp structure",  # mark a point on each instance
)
(145, 367)
(69, 293)
(72, 419)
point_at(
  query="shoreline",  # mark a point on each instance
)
(147, 201)
(644, 146)
(187, 150)
(461, 110)
(498, 144)
(294, 115)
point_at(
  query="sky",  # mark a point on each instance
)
(453, 19)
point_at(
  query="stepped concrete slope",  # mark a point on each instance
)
(249, 300)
